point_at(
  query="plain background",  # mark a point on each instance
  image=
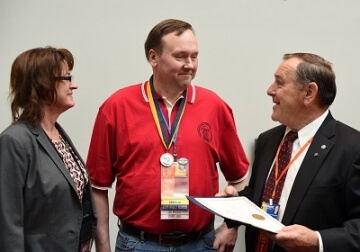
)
(241, 44)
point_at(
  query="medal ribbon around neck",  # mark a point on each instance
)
(159, 117)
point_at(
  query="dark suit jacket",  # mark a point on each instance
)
(39, 207)
(326, 192)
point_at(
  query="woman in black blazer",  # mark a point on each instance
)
(45, 193)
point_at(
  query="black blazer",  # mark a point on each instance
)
(39, 207)
(326, 192)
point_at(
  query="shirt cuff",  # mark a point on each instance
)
(239, 180)
(321, 247)
(101, 187)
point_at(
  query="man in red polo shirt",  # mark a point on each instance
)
(162, 140)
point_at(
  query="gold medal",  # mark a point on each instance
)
(258, 217)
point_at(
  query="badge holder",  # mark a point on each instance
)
(264, 244)
(271, 208)
(174, 188)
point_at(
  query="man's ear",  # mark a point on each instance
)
(152, 57)
(311, 91)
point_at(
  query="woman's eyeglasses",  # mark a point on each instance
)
(67, 78)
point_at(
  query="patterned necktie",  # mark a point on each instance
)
(284, 157)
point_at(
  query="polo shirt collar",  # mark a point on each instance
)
(191, 92)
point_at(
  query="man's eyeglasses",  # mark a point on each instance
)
(67, 78)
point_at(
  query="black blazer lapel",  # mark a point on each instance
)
(318, 150)
(267, 147)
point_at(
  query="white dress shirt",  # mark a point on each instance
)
(304, 135)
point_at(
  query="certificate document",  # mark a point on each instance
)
(239, 209)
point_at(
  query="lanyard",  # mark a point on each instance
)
(159, 117)
(277, 177)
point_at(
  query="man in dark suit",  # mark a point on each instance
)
(320, 199)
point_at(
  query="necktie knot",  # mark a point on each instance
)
(291, 136)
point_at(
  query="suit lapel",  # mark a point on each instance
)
(67, 138)
(266, 158)
(315, 156)
(44, 142)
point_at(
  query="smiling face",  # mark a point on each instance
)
(287, 96)
(64, 91)
(176, 65)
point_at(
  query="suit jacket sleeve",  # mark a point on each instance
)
(13, 165)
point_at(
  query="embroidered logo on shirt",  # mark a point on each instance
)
(204, 132)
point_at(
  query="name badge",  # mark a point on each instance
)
(174, 188)
(271, 208)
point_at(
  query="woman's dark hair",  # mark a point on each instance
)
(33, 81)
